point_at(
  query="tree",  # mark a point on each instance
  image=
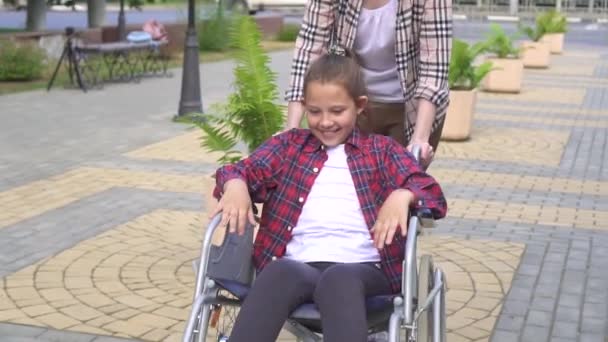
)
(36, 15)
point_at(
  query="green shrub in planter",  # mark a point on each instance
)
(214, 32)
(20, 62)
(288, 33)
(552, 22)
(500, 44)
(463, 73)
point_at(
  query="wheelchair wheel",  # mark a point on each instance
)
(425, 285)
(222, 320)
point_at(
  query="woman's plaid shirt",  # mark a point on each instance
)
(422, 51)
(282, 171)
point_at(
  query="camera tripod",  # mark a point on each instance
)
(68, 56)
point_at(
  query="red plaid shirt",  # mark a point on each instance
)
(281, 172)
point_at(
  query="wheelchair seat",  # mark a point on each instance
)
(379, 308)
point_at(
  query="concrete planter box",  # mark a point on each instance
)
(505, 77)
(555, 41)
(459, 118)
(535, 54)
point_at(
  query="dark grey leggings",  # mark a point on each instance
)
(339, 291)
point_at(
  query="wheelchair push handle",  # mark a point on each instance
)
(416, 150)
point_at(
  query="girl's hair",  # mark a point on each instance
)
(338, 66)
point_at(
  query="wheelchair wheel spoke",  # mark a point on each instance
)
(425, 284)
(225, 316)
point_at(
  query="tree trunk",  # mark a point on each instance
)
(96, 12)
(36, 15)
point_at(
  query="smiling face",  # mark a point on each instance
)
(331, 112)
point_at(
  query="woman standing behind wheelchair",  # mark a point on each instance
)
(334, 201)
(403, 47)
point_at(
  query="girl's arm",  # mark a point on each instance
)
(260, 170)
(314, 34)
(403, 172)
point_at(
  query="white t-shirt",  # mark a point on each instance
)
(331, 227)
(375, 48)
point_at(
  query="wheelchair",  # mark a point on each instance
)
(224, 274)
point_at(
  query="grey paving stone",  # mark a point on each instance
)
(525, 281)
(596, 296)
(539, 318)
(504, 336)
(515, 307)
(543, 303)
(510, 322)
(595, 310)
(572, 301)
(547, 288)
(567, 314)
(112, 339)
(586, 337)
(528, 269)
(593, 325)
(565, 330)
(23, 330)
(61, 336)
(535, 334)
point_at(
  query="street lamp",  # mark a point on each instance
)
(121, 21)
(190, 101)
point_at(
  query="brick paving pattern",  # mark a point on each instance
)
(102, 211)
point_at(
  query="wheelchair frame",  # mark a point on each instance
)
(405, 316)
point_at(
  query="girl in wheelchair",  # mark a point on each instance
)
(335, 215)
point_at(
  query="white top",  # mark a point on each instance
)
(331, 227)
(375, 48)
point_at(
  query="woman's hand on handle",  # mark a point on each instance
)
(426, 152)
(235, 206)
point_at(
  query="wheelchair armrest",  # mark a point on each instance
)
(229, 261)
(425, 216)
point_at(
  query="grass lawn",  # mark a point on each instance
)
(175, 62)
(10, 30)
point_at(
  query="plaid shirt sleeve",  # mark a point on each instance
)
(315, 32)
(404, 172)
(435, 46)
(260, 170)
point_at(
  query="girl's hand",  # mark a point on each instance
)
(235, 206)
(393, 213)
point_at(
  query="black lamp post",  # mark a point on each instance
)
(121, 21)
(190, 101)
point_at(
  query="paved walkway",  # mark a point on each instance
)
(103, 199)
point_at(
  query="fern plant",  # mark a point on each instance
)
(500, 44)
(251, 114)
(463, 73)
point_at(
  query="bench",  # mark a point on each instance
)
(119, 62)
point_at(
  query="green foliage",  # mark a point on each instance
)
(213, 34)
(136, 4)
(288, 33)
(552, 22)
(548, 22)
(463, 73)
(499, 44)
(251, 114)
(20, 62)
